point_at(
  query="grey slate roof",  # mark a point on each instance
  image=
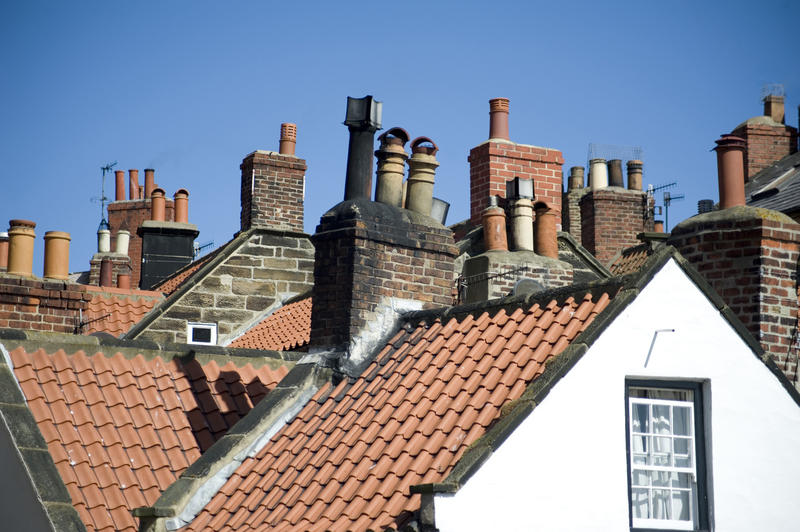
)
(776, 187)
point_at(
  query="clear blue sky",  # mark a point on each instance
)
(190, 88)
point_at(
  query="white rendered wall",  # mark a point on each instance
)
(564, 468)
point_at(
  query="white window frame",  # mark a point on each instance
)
(690, 464)
(190, 326)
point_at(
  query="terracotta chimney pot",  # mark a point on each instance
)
(392, 159)
(730, 171)
(575, 178)
(182, 206)
(158, 206)
(56, 255)
(119, 192)
(3, 251)
(288, 139)
(123, 241)
(421, 169)
(149, 182)
(658, 226)
(21, 237)
(106, 272)
(635, 174)
(498, 118)
(133, 183)
(615, 173)
(598, 174)
(124, 280)
(774, 108)
(545, 231)
(494, 227)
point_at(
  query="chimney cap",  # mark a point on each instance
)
(160, 191)
(396, 135)
(21, 223)
(365, 113)
(417, 146)
(499, 104)
(519, 187)
(182, 191)
(730, 141)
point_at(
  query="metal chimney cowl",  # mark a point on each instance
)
(363, 118)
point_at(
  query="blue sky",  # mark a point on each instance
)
(190, 88)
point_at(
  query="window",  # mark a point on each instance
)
(201, 333)
(666, 456)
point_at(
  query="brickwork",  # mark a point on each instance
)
(765, 145)
(368, 252)
(129, 215)
(121, 264)
(494, 274)
(41, 305)
(571, 213)
(610, 220)
(272, 191)
(269, 267)
(750, 256)
(494, 162)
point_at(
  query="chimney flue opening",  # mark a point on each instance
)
(363, 119)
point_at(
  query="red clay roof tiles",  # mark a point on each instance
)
(118, 439)
(289, 327)
(347, 460)
(630, 260)
(116, 310)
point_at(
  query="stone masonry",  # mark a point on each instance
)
(571, 214)
(266, 268)
(749, 256)
(368, 253)
(611, 218)
(495, 274)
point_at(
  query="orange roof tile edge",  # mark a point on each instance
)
(289, 327)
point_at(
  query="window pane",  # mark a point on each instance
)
(682, 456)
(682, 421)
(641, 418)
(201, 335)
(640, 477)
(681, 480)
(661, 478)
(680, 505)
(641, 509)
(661, 504)
(661, 419)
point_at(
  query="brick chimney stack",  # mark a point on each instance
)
(749, 255)
(273, 186)
(498, 159)
(767, 138)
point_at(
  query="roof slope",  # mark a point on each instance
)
(346, 461)
(776, 187)
(115, 310)
(289, 327)
(120, 429)
(173, 282)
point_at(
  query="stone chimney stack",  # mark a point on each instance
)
(498, 159)
(273, 186)
(773, 108)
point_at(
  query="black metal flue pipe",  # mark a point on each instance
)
(363, 119)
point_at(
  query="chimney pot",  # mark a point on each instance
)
(103, 241)
(730, 170)
(149, 182)
(615, 173)
(391, 157)
(288, 139)
(106, 272)
(182, 206)
(598, 174)
(575, 178)
(522, 224)
(774, 108)
(546, 232)
(123, 240)
(56, 255)
(498, 118)
(21, 237)
(124, 280)
(363, 119)
(658, 226)
(421, 169)
(3, 251)
(119, 193)
(158, 206)
(635, 174)
(494, 227)
(133, 185)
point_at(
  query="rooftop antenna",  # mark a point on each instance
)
(103, 199)
(198, 248)
(772, 89)
(615, 151)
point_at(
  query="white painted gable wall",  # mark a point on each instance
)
(564, 468)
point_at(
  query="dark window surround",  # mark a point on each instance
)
(700, 446)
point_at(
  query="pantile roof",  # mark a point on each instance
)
(630, 259)
(348, 459)
(116, 310)
(289, 327)
(122, 427)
